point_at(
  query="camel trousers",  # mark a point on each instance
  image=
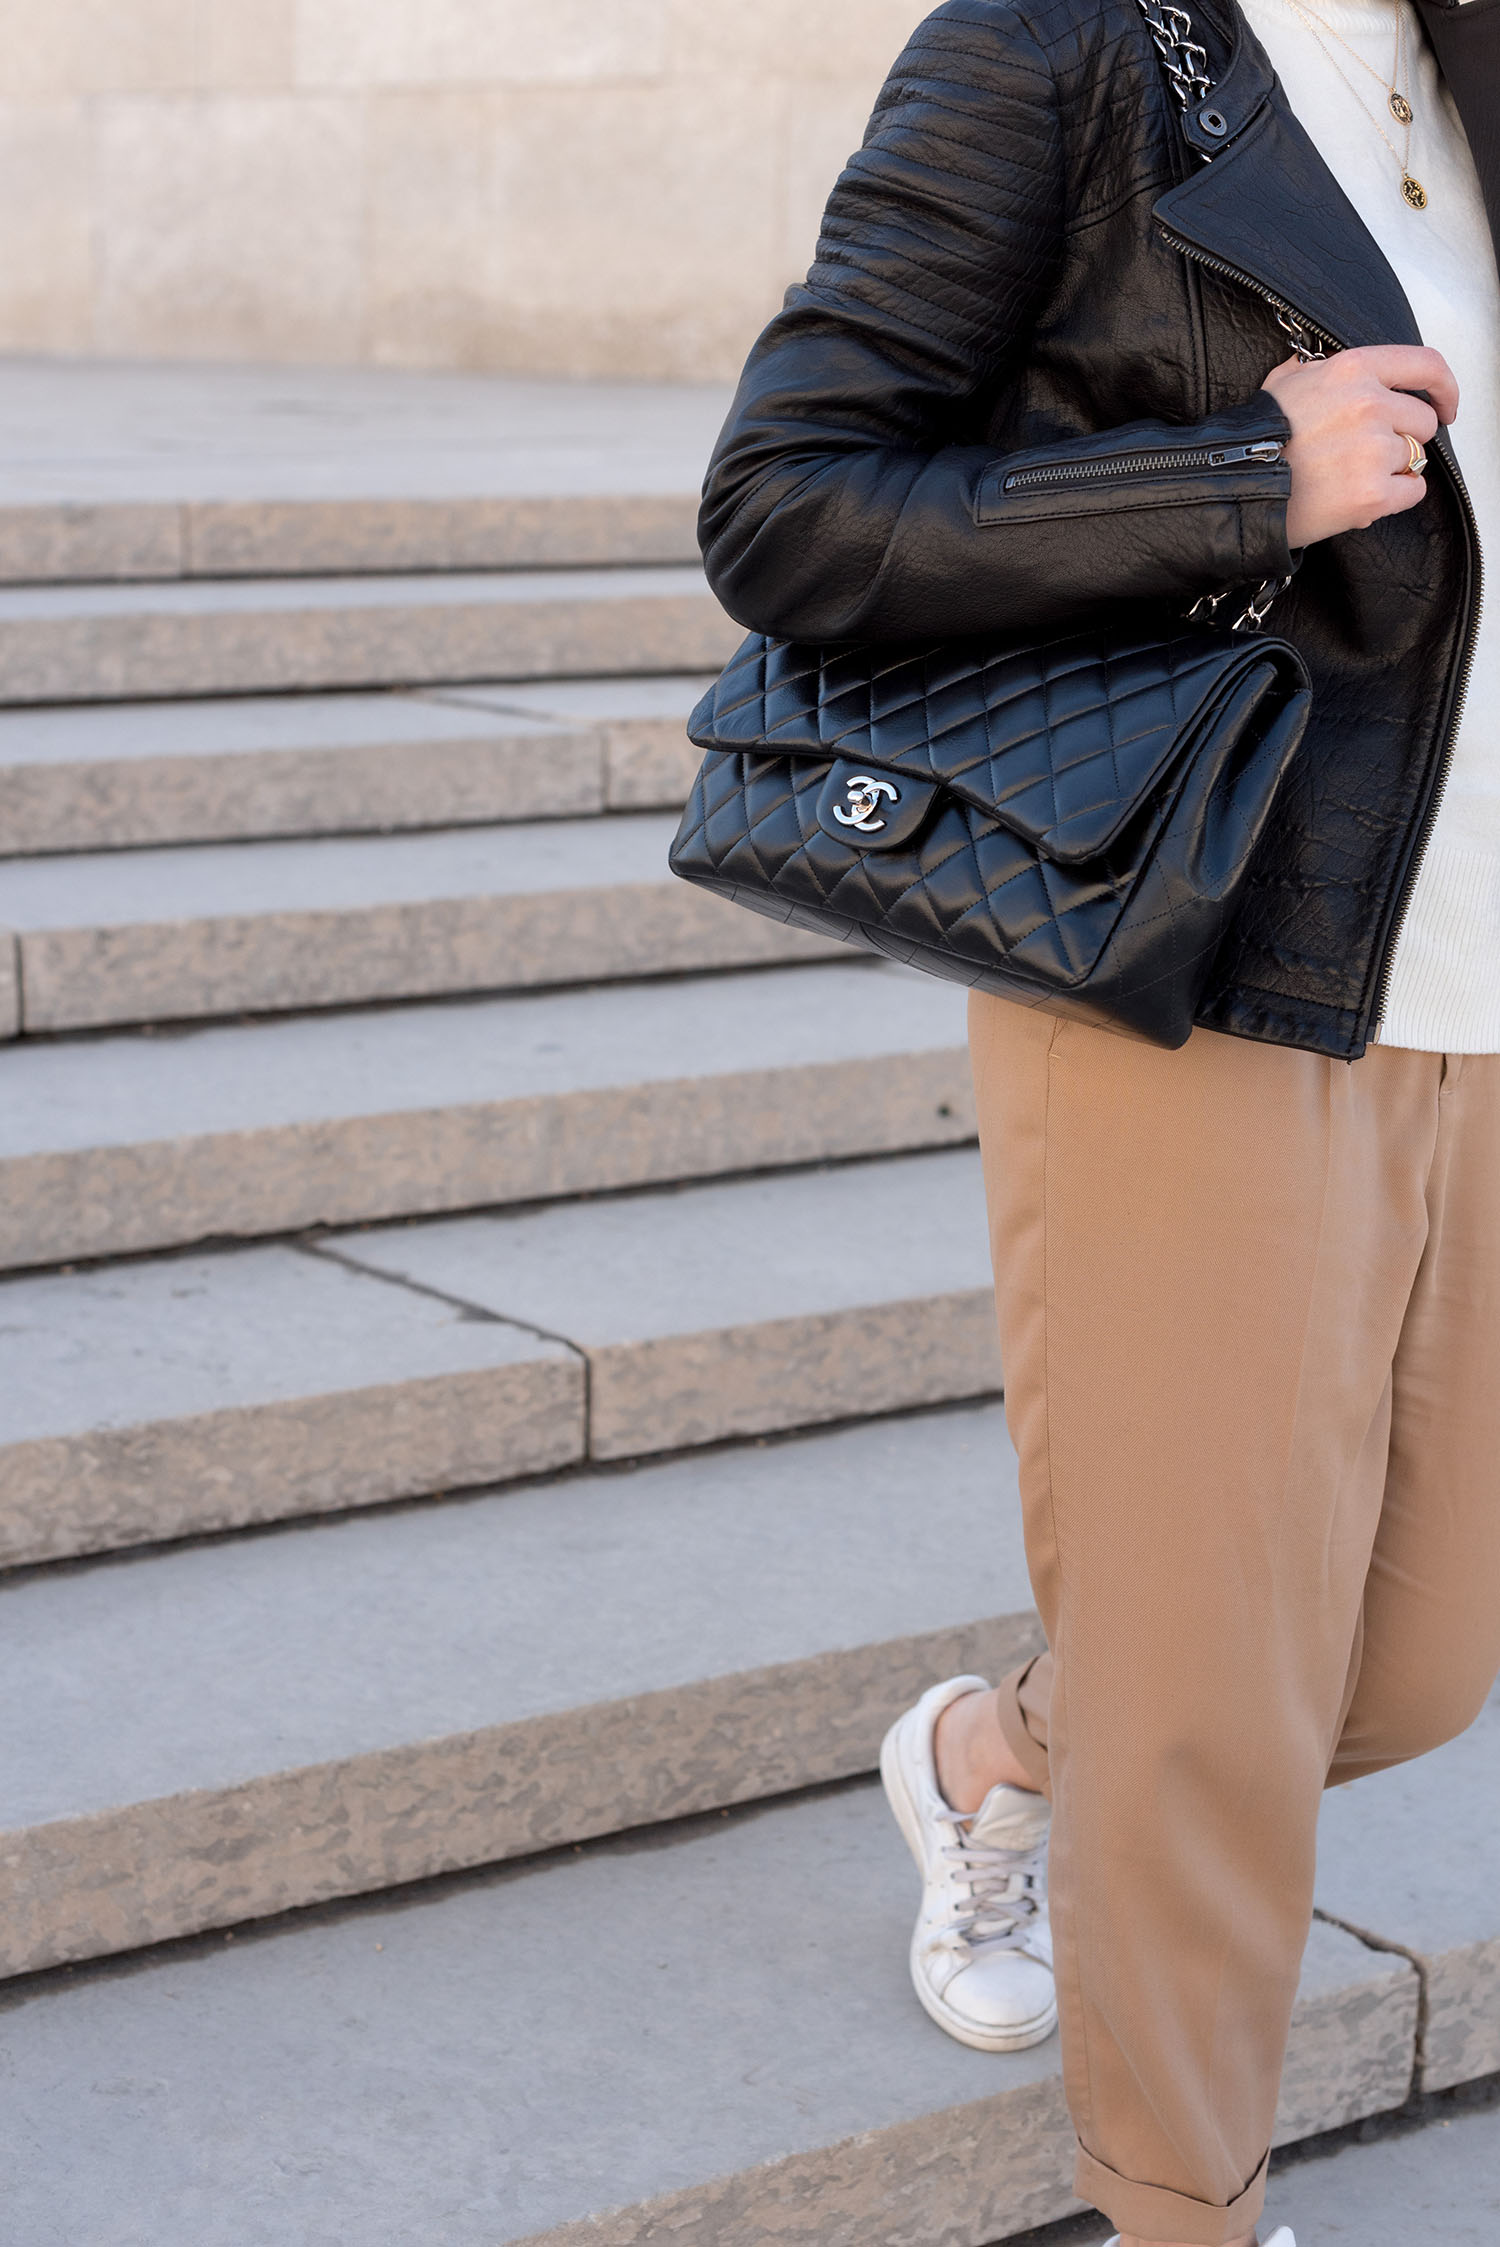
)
(1249, 1306)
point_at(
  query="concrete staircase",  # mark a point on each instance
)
(501, 1397)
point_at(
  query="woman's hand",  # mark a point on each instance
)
(1351, 416)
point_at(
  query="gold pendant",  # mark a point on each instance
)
(1401, 108)
(1414, 191)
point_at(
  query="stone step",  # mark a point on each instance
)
(250, 1385)
(108, 776)
(230, 1730)
(649, 760)
(731, 1310)
(106, 643)
(267, 928)
(1415, 1855)
(132, 1141)
(114, 471)
(89, 541)
(170, 1397)
(705, 2035)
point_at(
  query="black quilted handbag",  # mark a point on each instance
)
(1067, 822)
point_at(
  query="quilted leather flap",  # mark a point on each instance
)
(1063, 742)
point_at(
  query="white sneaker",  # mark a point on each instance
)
(1282, 2238)
(981, 1955)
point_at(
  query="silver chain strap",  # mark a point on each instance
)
(1183, 60)
(1185, 64)
(1306, 346)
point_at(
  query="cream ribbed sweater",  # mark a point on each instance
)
(1445, 985)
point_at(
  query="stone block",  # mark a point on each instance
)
(826, 119)
(112, 1145)
(422, 2064)
(649, 760)
(439, 230)
(96, 46)
(248, 46)
(1408, 1859)
(10, 985)
(165, 1400)
(44, 545)
(545, 530)
(847, 43)
(734, 1309)
(171, 935)
(106, 643)
(46, 274)
(429, 42)
(1353, 2043)
(229, 225)
(552, 249)
(101, 777)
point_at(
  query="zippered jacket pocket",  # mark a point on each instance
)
(1147, 464)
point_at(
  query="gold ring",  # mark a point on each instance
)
(1416, 464)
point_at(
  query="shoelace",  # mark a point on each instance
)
(1004, 1890)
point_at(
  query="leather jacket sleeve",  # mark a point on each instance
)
(852, 494)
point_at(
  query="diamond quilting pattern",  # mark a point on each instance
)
(969, 883)
(1054, 740)
(1077, 843)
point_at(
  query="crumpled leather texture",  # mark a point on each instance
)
(1089, 805)
(993, 285)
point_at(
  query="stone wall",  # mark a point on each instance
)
(587, 187)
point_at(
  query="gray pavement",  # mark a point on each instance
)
(1436, 2186)
(160, 472)
(1432, 2181)
(96, 432)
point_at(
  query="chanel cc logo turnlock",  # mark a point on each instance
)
(865, 811)
(864, 801)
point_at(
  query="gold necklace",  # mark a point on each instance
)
(1398, 103)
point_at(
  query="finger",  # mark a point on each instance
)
(1405, 492)
(1401, 460)
(1413, 417)
(1412, 366)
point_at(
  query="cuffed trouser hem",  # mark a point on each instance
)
(1156, 2214)
(1011, 1709)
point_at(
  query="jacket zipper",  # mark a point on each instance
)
(1140, 464)
(1294, 320)
(1248, 281)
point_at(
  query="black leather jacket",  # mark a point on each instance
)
(1027, 266)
